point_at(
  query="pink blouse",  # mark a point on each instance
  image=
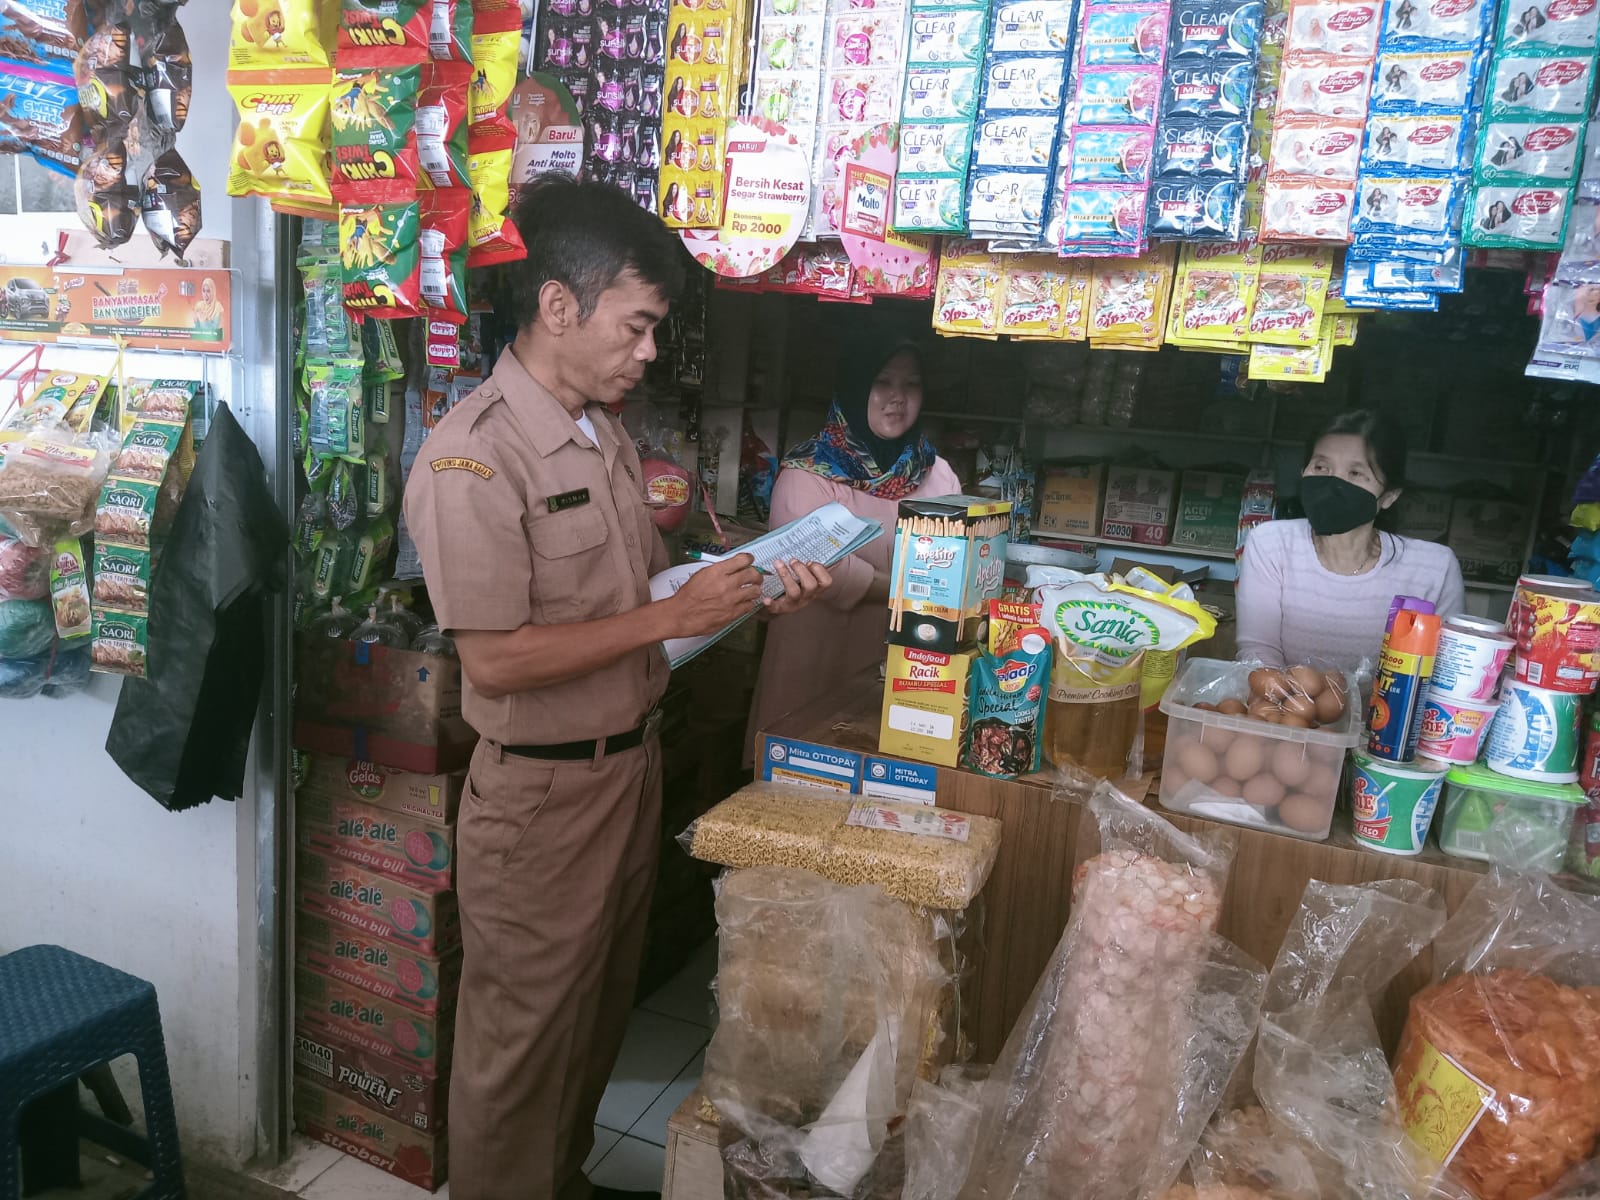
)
(814, 650)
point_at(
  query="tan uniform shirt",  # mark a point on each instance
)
(520, 520)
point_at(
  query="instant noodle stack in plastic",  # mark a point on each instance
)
(938, 112)
(705, 52)
(1541, 85)
(1202, 140)
(1019, 119)
(1317, 125)
(1107, 152)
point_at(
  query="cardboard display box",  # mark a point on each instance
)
(949, 562)
(378, 704)
(390, 971)
(343, 1012)
(1068, 500)
(925, 704)
(1489, 537)
(376, 905)
(1139, 505)
(410, 849)
(1422, 513)
(339, 1121)
(399, 1090)
(431, 798)
(1208, 511)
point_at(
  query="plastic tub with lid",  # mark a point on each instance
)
(1518, 822)
(1244, 771)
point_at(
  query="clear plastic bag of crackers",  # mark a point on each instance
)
(1498, 1070)
(832, 1000)
(1123, 1052)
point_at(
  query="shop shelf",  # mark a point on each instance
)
(1183, 551)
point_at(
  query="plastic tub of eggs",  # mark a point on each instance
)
(1256, 746)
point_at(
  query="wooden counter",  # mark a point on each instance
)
(1027, 898)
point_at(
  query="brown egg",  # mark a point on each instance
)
(1223, 786)
(1273, 716)
(1234, 708)
(1205, 706)
(1295, 722)
(1263, 791)
(1296, 705)
(1309, 680)
(1258, 680)
(1276, 686)
(1290, 765)
(1197, 761)
(1260, 708)
(1329, 706)
(1218, 738)
(1322, 781)
(1303, 813)
(1246, 758)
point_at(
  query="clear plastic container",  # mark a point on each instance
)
(1244, 771)
(1517, 822)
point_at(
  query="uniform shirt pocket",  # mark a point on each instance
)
(573, 579)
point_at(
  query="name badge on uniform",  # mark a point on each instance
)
(567, 500)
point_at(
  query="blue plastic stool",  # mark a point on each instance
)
(61, 1015)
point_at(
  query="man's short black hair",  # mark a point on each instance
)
(585, 235)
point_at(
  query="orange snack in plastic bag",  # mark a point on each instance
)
(1498, 1077)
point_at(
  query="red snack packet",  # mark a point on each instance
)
(383, 33)
(442, 125)
(443, 243)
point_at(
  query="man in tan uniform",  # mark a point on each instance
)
(528, 510)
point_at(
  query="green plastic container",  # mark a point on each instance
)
(1517, 822)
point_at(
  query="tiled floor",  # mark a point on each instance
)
(659, 1066)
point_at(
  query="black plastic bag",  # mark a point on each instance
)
(182, 735)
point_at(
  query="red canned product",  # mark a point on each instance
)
(1589, 762)
(1558, 639)
(1554, 585)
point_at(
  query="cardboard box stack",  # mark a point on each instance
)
(949, 562)
(378, 962)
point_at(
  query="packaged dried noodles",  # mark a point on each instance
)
(922, 855)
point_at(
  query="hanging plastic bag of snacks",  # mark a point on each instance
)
(380, 259)
(374, 117)
(384, 33)
(443, 245)
(279, 146)
(169, 203)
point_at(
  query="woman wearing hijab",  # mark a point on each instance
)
(869, 455)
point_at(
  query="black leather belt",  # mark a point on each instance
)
(577, 751)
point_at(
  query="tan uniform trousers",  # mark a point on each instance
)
(556, 862)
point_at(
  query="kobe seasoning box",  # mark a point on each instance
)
(949, 562)
(397, 1089)
(408, 848)
(377, 905)
(386, 969)
(330, 1008)
(345, 1124)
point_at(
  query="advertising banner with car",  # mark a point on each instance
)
(151, 307)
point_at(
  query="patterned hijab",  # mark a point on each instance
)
(846, 449)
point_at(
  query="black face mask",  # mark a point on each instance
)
(1335, 505)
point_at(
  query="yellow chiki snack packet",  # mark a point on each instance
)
(1128, 300)
(492, 237)
(280, 150)
(270, 34)
(494, 74)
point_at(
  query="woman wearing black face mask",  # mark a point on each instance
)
(1318, 590)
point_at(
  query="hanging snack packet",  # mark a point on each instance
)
(442, 125)
(105, 85)
(281, 33)
(383, 33)
(40, 115)
(167, 79)
(492, 237)
(47, 32)
(69, 590)
(450, 31)
(107, 203)
(379, 259)
(1291, 293)
(374, 116)
(494, 74)
(1006, 693)
(279, 147)
(338, 420)
(169, 202)
(443, 246)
